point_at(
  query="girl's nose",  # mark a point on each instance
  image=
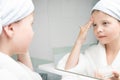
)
(99, 29)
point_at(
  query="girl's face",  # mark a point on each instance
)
(106, 28)
(23, 34)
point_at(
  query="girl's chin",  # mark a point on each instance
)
(103, 42)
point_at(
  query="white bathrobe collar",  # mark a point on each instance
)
(6, 62)
(99, 57)
(102, 52)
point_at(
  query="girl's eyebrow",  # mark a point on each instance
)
(104, 20)
(93, 23)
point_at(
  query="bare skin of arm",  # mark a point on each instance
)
(25, 59)
(75, 53)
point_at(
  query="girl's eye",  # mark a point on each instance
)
(105, 23)
(94, 25)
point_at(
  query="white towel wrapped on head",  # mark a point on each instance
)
(110, 7)
(14, 10)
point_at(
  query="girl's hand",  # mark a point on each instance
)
(115, 76)
(83, 31)
(25, 59)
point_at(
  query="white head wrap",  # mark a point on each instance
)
(110, 7)
(14, 10)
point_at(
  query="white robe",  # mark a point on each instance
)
(93, 59)
(12, 70)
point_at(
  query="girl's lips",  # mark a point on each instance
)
(101, 36)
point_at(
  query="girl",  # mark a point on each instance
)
(16, 18)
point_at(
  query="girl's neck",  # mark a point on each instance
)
(112, 50)
(113, 47)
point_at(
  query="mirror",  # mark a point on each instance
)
(60, 21)
(70, 15)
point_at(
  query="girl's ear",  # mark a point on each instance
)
(9, 30)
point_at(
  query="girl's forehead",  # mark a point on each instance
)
(99, 13)
(102, 15)
(98, 18)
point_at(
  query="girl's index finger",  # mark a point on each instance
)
(90, 22)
